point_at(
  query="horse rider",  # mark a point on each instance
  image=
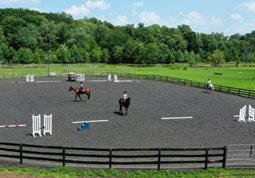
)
(209, 83)
(81, 86)
(125, 95)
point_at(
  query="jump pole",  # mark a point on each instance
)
(238, 115)
(12, 126)
(80, 122)
(176, 118)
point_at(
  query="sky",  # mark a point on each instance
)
(204, 16)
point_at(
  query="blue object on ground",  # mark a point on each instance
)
(84, 126)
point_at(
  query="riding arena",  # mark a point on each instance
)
(209, 115)
(160, 114)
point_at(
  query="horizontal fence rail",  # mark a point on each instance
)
(129, 158)
(241, 156)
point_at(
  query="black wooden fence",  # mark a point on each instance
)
(220, 88)
(137, 158)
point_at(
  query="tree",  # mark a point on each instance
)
(193, 40)
(11, 25)
(79, 37)
(63, 54)
(216, 58)
(48, 36)
(26, 37)
(24, 56)
(117, 55)
(101, 35)
(165, 54)
(2, 37)
(76, 55)
(39, 56)
(105, 56)
(152, 53)
(9, 54)
(95, 55)
(192, 58)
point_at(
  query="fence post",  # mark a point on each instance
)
(20, 153)
(251, 151)
(159, 158)
(224, 157)
(64, 156)
(206, 158)
(110, 158)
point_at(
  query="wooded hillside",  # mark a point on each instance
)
(32, 37)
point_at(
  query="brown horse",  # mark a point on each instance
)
(79, 92)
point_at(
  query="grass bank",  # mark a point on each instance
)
(63, 172)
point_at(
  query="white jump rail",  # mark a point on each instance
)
(12, 126)
(177, 118)
(48, 81)
(91, 121)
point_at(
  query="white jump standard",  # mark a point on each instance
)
(47, 124)
(177, 118)
(36, 125)
(80, 78)
(109, 79)
(251, 114)
(30, 78)
(243, 115)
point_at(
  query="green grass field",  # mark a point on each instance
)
(63, 172)
(239, 77)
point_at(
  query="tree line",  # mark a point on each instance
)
(28, 36)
